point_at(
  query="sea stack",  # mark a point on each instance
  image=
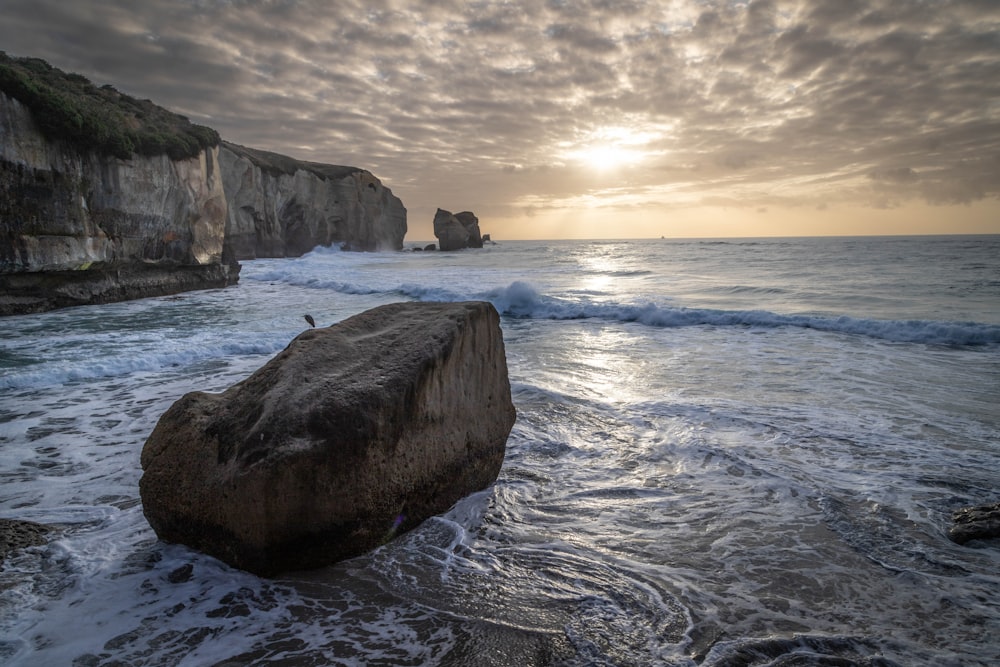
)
(456, 231)
(351, 435)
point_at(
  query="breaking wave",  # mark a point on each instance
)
(521, 300)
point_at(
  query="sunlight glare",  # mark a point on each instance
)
(610, 147)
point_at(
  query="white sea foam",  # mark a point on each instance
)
(522, 299)
(74, 369)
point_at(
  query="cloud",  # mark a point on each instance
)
(471, 105)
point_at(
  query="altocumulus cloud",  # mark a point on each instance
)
(754, 104)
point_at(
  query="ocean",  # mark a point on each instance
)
(727, 452)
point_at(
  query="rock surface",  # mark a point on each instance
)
(280, 207)
(352, 434)
(975, 523)
(456, 231)
(16, 534)
(39, 291)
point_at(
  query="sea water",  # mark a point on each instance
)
(736, 452)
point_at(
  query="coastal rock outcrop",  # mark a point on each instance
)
(281, 207)
(106, 198)
(975, 523)
(455, 231)
(351, 435)
(63, 212)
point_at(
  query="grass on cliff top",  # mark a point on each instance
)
(275, 163)
(69, 108)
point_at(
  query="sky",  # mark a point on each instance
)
(590, 119)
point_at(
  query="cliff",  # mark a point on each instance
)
(78, 227)
(281, 207)
(106, 198)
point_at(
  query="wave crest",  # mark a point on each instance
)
(521, 300)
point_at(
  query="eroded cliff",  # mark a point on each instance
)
(79, 226)
(281, 207)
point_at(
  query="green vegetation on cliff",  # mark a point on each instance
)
(69, 108)
(277, 164)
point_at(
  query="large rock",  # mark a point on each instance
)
(975, 523)
(352, 434)
(471, 224)
(456, 231)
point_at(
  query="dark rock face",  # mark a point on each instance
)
(471, 224)
(16, 534)
(352, 434)
(457, 231)
(975, 523)
(40, 291)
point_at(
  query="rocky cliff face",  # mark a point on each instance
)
(91, 220)
(280, 207)
(80, 228)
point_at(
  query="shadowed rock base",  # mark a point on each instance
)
(350, 436)
(36, 292)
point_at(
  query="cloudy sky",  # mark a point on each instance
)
(594, 119)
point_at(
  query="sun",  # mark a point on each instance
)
(609, 148)
(606, 156)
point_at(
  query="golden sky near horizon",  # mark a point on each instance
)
(594, 119)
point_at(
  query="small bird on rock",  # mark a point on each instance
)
(310, 320)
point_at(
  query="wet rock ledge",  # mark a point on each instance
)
(975, 523)
(350, 436)
(16, 535)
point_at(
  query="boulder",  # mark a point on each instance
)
(975, 523)
(351, 435)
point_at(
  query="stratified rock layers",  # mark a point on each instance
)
(63, 214)
(78, 228)
(350, 435)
